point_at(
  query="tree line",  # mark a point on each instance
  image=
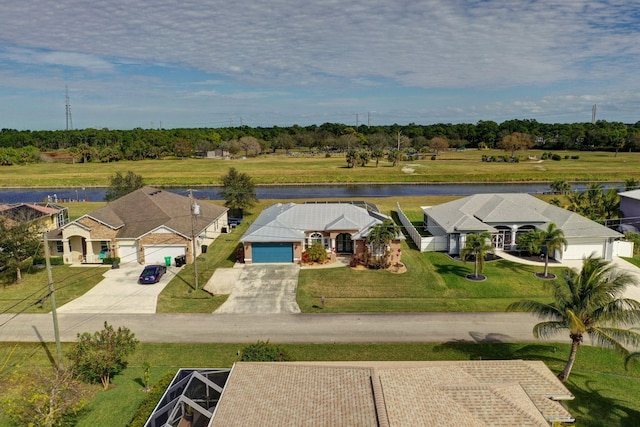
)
(106, 145)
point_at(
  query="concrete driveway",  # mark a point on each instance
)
(119, 292)
(264, 288)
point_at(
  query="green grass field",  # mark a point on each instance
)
(462, 166)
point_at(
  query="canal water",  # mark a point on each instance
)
(353, 192)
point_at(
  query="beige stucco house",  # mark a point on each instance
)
(282, 232)
(145, 226)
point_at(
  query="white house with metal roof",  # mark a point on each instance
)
(282, 232)
(506, 215)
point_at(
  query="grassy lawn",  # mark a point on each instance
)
(69, 283)
(606, 394)
(433, 282)
(464, 166)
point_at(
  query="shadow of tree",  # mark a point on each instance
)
(602, 410)
(458, 270)
(490, 347)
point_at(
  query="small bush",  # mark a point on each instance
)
(556, 157)
(263, 351)
(575, 157)
(54, 260)
(566, 156)
(316, 253)
(240, 253)
(110, 260)
(433, 157)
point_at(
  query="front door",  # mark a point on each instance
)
(344, 244)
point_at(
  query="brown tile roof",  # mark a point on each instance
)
(148, 208)
(469, 393)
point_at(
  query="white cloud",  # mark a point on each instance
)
(263, 49)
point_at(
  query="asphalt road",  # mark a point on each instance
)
(293, 328)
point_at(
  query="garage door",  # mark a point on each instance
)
(128, 253)
(155, 254)
(583, 248)
(272, 252)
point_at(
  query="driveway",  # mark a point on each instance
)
(264, 288)
(119, 292)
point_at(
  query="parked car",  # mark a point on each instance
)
(152, 274)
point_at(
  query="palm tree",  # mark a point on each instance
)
(380, 236)
(477, 245)
(552, 239)
(589, 302)
(560, 186)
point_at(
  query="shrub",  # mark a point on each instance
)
(575, 157)
(149, 403)
(110, 260)
(240, 253)
(433, 157)
(263, 351)
(556, 157)
(566, 156)
(316, 253)
(54, 260)
(635, 238)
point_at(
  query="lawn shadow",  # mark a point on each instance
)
(490, 347)
(610, 411)
(458, 270)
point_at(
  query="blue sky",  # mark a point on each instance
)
(214, 63)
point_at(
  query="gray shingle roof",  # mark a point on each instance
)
(149, 208)
(479, 212)
(289, 222)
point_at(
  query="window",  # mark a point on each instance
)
(104, 247)
(59, 247)
(315, 238)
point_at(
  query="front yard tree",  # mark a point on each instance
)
(45, 398)
(477, 245)
(238, 190)
(379, 241)
(377, 154)
(590, 302)
(99, 356)
(121, 185)
(17, 243)
(516, 141)
(550, 240)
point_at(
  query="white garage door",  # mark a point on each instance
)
(128, 253)
(155, 254)
(581, 249)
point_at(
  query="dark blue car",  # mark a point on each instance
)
(152, 274)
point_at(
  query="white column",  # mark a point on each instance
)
(514, 229)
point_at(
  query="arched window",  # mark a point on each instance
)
(315, 238)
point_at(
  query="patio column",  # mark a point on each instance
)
(332, 245)
(89, 248)
(514, 230)
(66, 251)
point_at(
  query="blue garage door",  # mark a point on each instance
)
(272, 252)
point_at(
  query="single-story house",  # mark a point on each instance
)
(282, 232)
(507, 215)
(630, 208)
(47, 215)
(393, 394)
(144, 226)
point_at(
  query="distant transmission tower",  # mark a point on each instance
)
(68, 109)
(593, 114)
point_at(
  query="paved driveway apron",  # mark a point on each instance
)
(264, 288)
(119, 292)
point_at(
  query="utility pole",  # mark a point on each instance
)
(56, 329)
(68, 109)
(356, 122)
(369, 119)
(399, 133)
(195, 211)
